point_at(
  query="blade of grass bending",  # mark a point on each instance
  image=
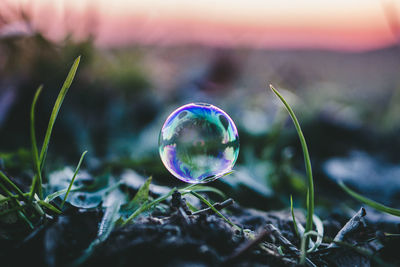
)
(8, 182)
(294, 218)
(5, 199)
(49, 206)
(320, 230)
(147, 206)
(27, 221)
(141, 195)
(59, 193)
(73, 178)
(21, 213)
(369, 202)
(56, 109)
(303, 251)
(13, 197)
(307, 162)
(38, 209)
(55, 194)
(200, 197)
(191, 207)
(37, 179)
(203, 188)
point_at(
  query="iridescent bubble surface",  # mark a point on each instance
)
(198, 143)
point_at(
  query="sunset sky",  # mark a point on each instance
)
(323, 24)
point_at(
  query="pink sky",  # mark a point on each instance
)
(325, 24)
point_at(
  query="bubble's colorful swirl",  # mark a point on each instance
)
(198, 143)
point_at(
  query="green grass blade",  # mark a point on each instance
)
(369, 202)
(56, 109)
(191, 207)
(147, 206)
(8, 193)
(49, 206)
(37, 179)
(8, 182)
(320, 230)
(141, 195)
(52, 196)
(307, 162)
(294, 218)
(200, 197)
(38, 208)
(203, 188)
(21, 213)
(73, 178)
(303, 246)
(25, 218)
(5, 199)
(55, 194)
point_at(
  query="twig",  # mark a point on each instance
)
(281, 239)
(292, 249)
(218, 206)
(272, 250)
(184, 215)
(205, 201)
(248, 246)
(268, 230)
(350, 227)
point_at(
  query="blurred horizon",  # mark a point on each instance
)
(335, 62)
(354, 25)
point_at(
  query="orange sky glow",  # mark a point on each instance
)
(314, 24)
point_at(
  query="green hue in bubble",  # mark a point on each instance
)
(198, 143)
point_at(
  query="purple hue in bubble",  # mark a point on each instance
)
(198, 143)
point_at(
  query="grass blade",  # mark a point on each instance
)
(55, 194)
(369, 202)
(307, 162)
(294, 218)
(303, 250)
(147, 206)
(203, 188)
(8, 182)
(203, 199)
(59, 193)
(191, 207)
(21, 213)
(49, 206)
(56, 109)
(320, 230)
(37, 179)
(5, 199)
(141, 195)
(27, 221)
(73, 178)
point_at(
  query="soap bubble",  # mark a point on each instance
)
(198, 143)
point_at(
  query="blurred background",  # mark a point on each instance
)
(336, 62)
